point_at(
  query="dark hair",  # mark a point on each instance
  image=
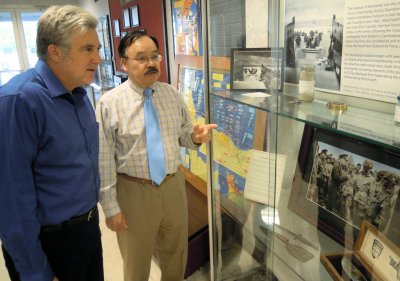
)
(130, 38)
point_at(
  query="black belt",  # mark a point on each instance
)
(145, 181)
(75, 221)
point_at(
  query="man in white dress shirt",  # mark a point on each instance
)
(146, 216)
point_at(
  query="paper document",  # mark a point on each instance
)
(261, 177)
(256, 95)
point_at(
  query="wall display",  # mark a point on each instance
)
(117, 32)
(232, 141)
(126, 18)
(190, 86)
(134, 16)
(347, 181)
(348, 57)
(186, 24)
(220, 82)
(254, 69)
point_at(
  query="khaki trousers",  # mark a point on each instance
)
(157, 219)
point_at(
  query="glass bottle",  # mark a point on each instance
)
(306, 82)
(397, 111)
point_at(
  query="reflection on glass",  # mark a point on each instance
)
(8, 49)
(29, 25)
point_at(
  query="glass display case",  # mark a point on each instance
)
(300, 188)
(302, 172)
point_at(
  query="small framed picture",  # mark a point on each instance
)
(135, 16)
(117, 32)
(255, 69)
(127, 20)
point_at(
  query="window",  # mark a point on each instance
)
(17, 41)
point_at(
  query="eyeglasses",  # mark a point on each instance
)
(143, 60)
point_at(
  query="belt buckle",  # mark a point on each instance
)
(90, 215)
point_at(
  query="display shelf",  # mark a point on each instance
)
(372, 130)
(365, 120)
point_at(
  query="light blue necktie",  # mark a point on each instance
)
(155, 151)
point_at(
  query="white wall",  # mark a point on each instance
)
(99, 8)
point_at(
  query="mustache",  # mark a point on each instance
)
(151, 69)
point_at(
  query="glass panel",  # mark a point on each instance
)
(243, 156)
(328, 207)
(9, 60)
(29, 25)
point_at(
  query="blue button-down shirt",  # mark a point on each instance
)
(48, 163)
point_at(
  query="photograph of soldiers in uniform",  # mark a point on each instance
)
(314, 35)
(255, 69)
(353, 188)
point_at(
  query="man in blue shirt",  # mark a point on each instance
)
(49, 183)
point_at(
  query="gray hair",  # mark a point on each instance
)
(57, 24)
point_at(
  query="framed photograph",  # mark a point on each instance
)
(135, 16)
(117, 32)
(256, 69)
(341, 181)
(126, 17)
(187, 27)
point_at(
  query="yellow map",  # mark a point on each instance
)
(227, 154)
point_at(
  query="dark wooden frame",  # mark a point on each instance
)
(327, 221)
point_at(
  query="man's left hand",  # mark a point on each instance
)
(202, 133)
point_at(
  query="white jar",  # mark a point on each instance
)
(306, 82)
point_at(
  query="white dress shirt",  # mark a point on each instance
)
(122, 149)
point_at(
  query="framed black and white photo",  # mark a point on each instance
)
(340, 182)
(126, 17)
(135, 16)
(117, 32)
(256, 69)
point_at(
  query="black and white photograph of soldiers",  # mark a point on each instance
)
(353, 187)
(254, 69)
(314, 35)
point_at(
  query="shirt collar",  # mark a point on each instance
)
(140, 90)
(54, 85)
